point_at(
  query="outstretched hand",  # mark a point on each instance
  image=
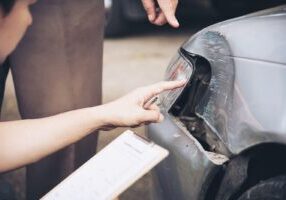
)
(165, 13)
(131, 111)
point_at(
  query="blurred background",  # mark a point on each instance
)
(138, 53)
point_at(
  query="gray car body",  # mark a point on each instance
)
(244, 104)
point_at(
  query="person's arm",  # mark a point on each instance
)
(26, 141)
(163, 14)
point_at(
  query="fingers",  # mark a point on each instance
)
(150, 103)
(167, 13)
(168, 7)
(160, 87)
(149, 6)
(154, 107)
(151, 116)
(168, 85)
(160, 19)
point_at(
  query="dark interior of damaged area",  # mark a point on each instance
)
(185, 106)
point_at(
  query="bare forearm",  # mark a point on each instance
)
(26, 141)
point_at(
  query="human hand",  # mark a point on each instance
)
(165, 13)
(131, 111)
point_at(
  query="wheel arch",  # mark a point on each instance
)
(254, 164)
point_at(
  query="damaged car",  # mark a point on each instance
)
(226, 129)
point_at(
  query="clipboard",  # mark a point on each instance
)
(111, 171)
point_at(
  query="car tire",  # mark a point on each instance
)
(271, 189)
(116, 22)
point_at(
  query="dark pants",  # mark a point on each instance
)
(57, 67)
(6, 191)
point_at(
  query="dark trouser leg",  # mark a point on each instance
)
(6, 191)
(4, 69)
(58, 67)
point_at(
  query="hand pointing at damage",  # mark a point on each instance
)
(131, 110)
(34, 139)
(161, 11)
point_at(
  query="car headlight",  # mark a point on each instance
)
(180, 68)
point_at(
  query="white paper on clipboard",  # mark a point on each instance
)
(111, 171)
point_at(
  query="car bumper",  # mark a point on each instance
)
(189, 170)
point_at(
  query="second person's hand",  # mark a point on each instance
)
(165, 13)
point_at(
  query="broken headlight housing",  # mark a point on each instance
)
(180, 68)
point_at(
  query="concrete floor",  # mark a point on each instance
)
(129, 62)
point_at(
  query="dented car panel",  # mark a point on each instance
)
(242, 104)
(248, 71)
(186, 157)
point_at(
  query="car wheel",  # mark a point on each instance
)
(116, 22)
(271, 189)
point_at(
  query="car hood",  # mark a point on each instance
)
(245, 102)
